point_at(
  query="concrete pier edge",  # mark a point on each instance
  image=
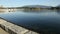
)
(13, 28)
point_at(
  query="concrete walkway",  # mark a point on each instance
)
(2, 31)
(14, 29)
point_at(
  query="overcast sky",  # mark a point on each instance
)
(13, 3)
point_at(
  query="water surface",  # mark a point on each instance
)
(41, 21)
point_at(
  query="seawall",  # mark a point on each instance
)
(14, 29)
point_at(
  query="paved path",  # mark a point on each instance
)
(2, 31)
(14, 29)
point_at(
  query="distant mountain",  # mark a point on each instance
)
(58, 6)
(37, 6)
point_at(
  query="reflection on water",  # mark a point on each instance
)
(32, 11)
(40, 21)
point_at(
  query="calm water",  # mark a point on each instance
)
(48, 20)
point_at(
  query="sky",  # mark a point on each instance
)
(18, 3)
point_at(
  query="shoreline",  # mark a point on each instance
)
(14, 29)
